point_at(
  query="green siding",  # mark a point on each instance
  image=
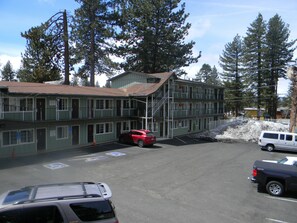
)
(128, 80)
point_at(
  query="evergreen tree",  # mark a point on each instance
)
(47, 51)
(204, 73)
(7, 72)
(279, 53)
(254, 49)
(91, 30)
(208, 75)
(231, 63)
(214, 77)
(152, 36)
(41, 60)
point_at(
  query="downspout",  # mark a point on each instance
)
(146, 112)
(172, 106)
(168, 102)
(152, 103)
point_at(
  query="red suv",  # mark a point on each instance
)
(140, 137)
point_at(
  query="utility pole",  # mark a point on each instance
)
(292, 75)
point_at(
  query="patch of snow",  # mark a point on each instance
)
(242, 130)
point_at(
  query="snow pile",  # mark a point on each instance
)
(242, 130)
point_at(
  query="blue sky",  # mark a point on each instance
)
(214, 24)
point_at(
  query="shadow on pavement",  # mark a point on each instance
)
(55, 156)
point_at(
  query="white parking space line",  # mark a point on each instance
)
(275, 220)
(180, 140)
(282, 199)
(89, 158)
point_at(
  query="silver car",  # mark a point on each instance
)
(58, 203)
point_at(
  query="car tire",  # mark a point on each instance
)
(275, 188)
(140, 143)
(270, 148)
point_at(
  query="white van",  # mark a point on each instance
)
(271, 140)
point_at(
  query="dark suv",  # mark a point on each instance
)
(58, 203)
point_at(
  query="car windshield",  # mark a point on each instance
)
(18, 195)
(282, 161)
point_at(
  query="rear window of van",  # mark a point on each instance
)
(270, 135)
(93, 211)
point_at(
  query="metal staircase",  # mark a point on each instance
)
(157, 104)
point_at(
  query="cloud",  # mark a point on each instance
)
(14, 60)
(199, 27)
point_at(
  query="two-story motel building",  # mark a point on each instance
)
(37, 117)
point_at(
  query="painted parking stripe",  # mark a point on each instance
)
(282, 199)
(96, 158)
(89, 158)
(275, 220)
(180, 140)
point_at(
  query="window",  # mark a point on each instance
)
(10, 104)
(99, 128)
(133, 104)
(62, 104)
(62, 132)
(289, 137)
(126, 103)
(17, 104)
(93, 211)
(26, 136)
(18, 195)
(32, 215)
(9, 138)
(103, 128)
(133, 124)
(183, 123)
(108, 127)
(99, 104)
(108, 104)
(6, 104)
(26, 104)
(270, 135)
(125, 126)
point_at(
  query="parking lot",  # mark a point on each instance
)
(178, 180)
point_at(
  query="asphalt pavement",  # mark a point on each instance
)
(178, 180)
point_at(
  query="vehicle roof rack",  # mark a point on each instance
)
(57, 198)
(62, 191)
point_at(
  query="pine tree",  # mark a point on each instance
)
(7, 72)
(91, 32)
(204, 73)
(152, 36)
(279, 53)
(214, 77)
(208, 75)
(47, 51)
(254, 48)
(231, 63)
(41, 59)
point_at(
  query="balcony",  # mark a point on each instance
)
(51, 114)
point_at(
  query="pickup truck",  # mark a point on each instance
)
(276, 178)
